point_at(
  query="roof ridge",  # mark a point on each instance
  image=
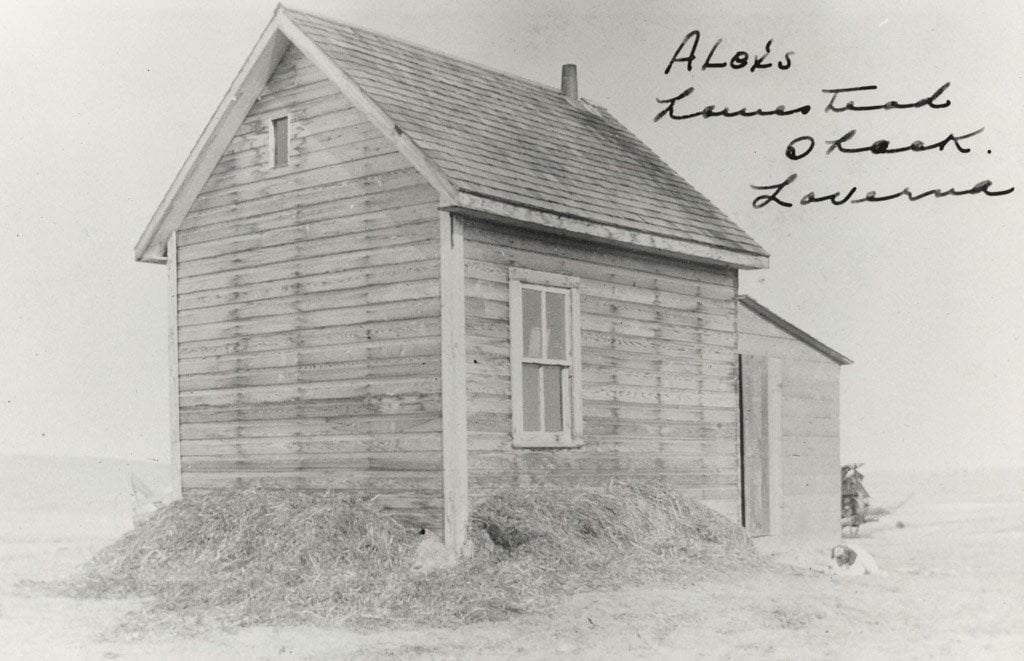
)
(448, 56)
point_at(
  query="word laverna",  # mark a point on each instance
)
(839, 198)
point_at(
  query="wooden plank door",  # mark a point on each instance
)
(754, 444)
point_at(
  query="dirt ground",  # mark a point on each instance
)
(952, 588)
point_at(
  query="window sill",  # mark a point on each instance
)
(545, 442)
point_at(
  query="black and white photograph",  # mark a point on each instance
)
(363, 329)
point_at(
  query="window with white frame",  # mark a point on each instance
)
(545, 334)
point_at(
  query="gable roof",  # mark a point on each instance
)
(784, 325)
(494, 146)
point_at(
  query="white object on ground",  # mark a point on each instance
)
(849, 560)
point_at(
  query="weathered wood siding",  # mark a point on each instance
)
(659, 369)
(308, 309)
(809, 473)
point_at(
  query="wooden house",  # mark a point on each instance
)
(393, 272)
(789, 391)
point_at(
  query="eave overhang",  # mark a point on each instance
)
(475, 206)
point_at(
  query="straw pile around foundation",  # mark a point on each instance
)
(260, 556)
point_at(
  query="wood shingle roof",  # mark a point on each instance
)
(493, 144)
(504, 138)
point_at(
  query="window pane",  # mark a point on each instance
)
(552, 397)
(531, 397)
(531, 323)
(556, 324)
(280, 141)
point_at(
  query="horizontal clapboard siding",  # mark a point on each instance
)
(308, 310)
(810, 482)
(659, 369)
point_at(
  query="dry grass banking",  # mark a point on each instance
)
(248, 557)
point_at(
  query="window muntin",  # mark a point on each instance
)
(544, 318)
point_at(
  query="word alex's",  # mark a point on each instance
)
(687, 52)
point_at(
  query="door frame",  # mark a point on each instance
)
(761, 395)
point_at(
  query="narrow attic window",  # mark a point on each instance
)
(279, 140)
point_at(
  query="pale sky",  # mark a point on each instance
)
(103, 101)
